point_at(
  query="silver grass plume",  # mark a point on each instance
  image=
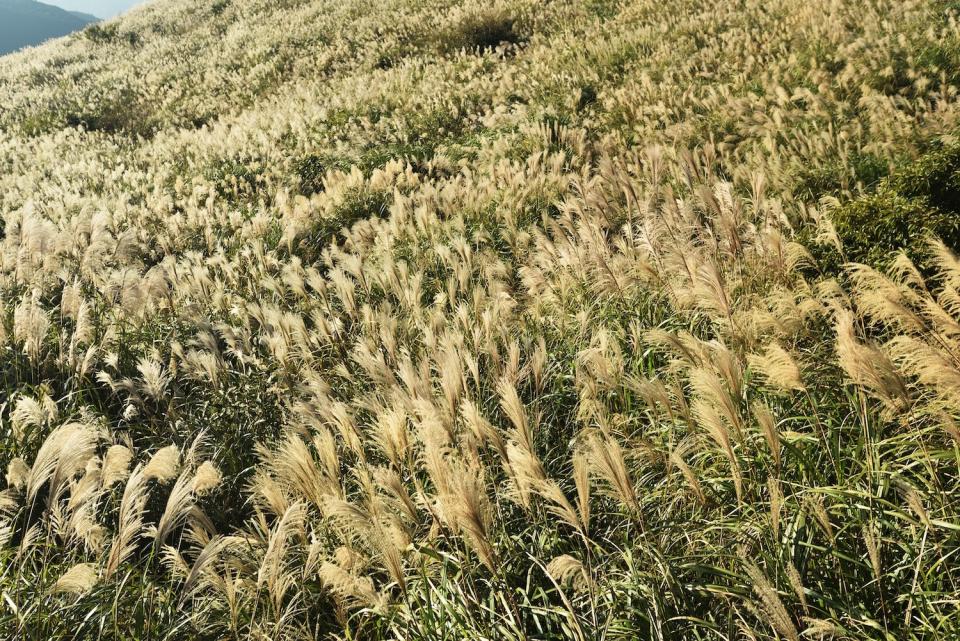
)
(130, 521)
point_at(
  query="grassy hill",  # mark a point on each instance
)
(25, 23)
(581, 319)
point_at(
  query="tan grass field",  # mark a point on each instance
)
(602, 320)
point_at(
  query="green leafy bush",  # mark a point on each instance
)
(919, 199)
(311, 170)
(483, 31)
(359, 205)
(121, 111)
(835, 178)
(111, 119)
(101, 33)
(234, 179)
(875, 226)
(110, 33)
(935, 176)
(40, 122)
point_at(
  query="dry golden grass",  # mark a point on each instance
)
(426, 321)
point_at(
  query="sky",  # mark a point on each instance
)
(99, 8)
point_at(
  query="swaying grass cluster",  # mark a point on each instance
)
(521, 321)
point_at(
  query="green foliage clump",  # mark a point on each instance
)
(862, 170)
(101, 33)
(483, 31)
(121, 112)
(935, 177)
(111, 119)
(874, 226)
(603, 9)
(39, 123)
(311, 170)
(219, 7)
(234, 179)
(111, 33)
(921, 199)
(359, 205)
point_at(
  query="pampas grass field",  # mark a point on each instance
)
(522, 320)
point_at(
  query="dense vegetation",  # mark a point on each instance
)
(427, 320)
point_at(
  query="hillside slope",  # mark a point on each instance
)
(25, 23)
(581, 319)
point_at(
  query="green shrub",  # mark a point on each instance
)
(112, 117)
(588, 96)
(101, 33)
(935, 176)
(919, 199)
(40, 122)
(109, 119)
(833, 178)
(234, 179)
(483, 31)
(360, 205)
(110, 33)
(603, 9)
(875, 226)
(311, 171)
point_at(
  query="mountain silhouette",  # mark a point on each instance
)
(24, 23)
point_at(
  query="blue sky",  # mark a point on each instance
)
(99, 8)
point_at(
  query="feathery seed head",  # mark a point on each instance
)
(163, 465)
(78, 580)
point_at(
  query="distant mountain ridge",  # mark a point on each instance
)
(25, 23)
(80, 14)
